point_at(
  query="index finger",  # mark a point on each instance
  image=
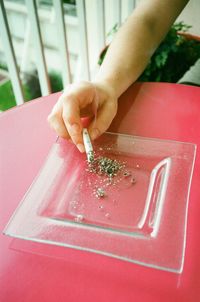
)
(72, 120)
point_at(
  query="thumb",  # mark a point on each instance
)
(103, 119)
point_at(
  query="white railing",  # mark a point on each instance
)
(95, 11)
(39, 50)
(10, 56)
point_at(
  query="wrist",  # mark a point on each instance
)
(106, 87)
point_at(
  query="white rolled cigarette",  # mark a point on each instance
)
(88, 145)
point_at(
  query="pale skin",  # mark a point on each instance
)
(126, 58)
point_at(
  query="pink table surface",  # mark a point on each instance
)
(38, 272)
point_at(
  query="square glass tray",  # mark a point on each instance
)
(142, 213)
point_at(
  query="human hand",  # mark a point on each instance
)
(85, 99)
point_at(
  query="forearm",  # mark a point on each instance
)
(136, 41)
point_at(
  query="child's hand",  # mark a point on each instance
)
(84, 99)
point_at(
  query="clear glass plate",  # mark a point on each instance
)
(141, 215)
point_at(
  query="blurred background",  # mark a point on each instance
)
(46, 44)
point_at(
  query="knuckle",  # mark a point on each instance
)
(114, 112)
(52, 117)
(68, 96)
(114, 108)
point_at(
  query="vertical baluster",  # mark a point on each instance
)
(38, 47)
(101, 22)
(62, 41)
(131, 5)
(118, 11)
(10, 56)
(84, 55)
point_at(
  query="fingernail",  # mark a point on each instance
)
(74, 129)
(80, 147)
(94, 133)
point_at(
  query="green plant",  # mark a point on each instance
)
(7, 97)
(31, 87)
(3, 66)
(55, 81)
(32, 84)
(173, 57)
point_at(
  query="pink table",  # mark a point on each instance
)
(37, 272)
